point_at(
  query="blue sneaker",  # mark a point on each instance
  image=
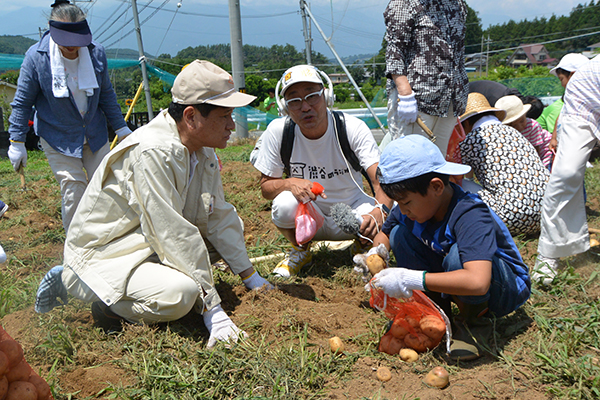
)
(3, 208)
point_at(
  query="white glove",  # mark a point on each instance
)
(221, 327)
(398, 282)
(407, 108)
(256, 282)
(17, 154)
(360, 261)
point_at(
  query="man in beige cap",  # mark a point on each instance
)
(154, 217)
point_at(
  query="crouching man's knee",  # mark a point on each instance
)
(284, 208)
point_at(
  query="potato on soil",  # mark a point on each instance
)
(3, 387)
(3, 363)
(21, 390)
(399, 328)
(408, 355)
(438, 377)
(19, 372)
(43, 389)
(384, 374)
(433, 327)
(336, 345)
(420, 342)
(13, 351)
(375, 263)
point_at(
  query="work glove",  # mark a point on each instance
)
(221, 327)
(398, 282)
(256, 282)
(407, 108)
(17, 154)
(51, 289)
(360, 261)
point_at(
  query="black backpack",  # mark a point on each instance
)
(287, 144)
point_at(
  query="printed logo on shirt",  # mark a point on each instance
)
(310, 172)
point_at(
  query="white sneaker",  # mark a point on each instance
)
(545, 270)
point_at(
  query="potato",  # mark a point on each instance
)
(437, 377)
(19, 372)
(594, 242)
(412, 322)
(3, 363)
(420, 343)
(433, 327)
(3, 387)
(43, 389)
(390, 345)
(408, 355)
(13, 351)
(336, 345)
(20, 390)
(399, 328)
(384, 374)
(375, 263)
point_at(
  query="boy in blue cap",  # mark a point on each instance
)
(447, 243)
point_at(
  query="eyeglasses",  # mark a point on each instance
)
(312, 99)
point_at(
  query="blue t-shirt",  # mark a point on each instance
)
(479, 233)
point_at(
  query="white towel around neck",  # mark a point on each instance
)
(85, 72)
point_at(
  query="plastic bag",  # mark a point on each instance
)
(308, 222)
(42, 388)
(453, 151)
(417, 322)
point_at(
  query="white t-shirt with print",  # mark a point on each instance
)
(321, 160)
(72, 74)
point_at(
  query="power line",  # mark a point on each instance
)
(224, 15)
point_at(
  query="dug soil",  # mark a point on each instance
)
(312, 303)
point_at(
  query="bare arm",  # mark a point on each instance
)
(300, 188)
(473, 280)
(402, 85)
(371, 226)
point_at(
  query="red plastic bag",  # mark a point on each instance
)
(41, 387)
(417, 322)
(453, 151)
(308, 222)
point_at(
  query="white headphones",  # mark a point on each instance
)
(291, 76)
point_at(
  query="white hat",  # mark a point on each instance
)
(570, 62)
(299, 73)
(514, 108)
(202, 82)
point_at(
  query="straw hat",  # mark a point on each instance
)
(514, 107)
(478, 104)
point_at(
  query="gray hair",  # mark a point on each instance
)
(67, 13)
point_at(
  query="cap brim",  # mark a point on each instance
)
(235, 99)
(70, 39)
(451, 168)
(526, 108)
(496, 111)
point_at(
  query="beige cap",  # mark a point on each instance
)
(202, 82)
(478, 104)
(514, 108)
(299, 73)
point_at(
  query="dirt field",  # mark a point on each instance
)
(325, 300)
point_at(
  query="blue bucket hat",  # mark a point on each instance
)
(414, 155)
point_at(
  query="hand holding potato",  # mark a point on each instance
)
(398, 282)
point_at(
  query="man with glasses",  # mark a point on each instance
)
(316, 156)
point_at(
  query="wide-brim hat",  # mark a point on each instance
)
(478, 104)
(514, 108)
(297, 74)
(570, 62)
(202, 82)
(71, 34)
(414, 155)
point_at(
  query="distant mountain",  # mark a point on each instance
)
(125, 54)
(349, 60)
(15, 44)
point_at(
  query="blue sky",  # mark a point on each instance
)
(352, 26)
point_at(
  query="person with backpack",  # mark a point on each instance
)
(314, 144)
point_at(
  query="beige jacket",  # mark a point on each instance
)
(141, 201)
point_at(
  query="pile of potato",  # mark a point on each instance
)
(17, 379)
(406, 331)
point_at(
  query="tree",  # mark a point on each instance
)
(473, 32)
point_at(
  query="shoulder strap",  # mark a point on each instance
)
(349, 154)
(287, 144)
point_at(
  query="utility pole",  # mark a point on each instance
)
(237, 64)
(487, 57)
(307, 35)
(481, 57)
(138, 33)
